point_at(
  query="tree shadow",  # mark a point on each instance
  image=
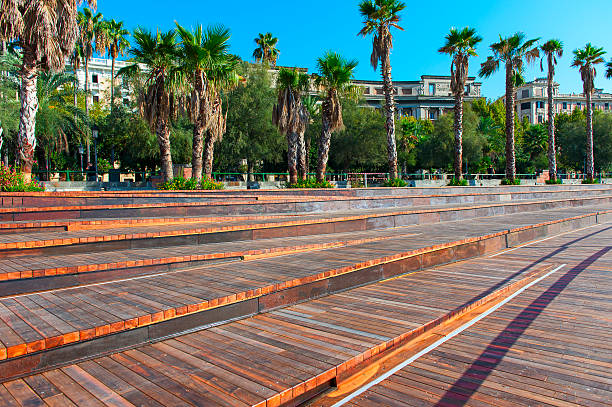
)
(542, 259)
(471, 380)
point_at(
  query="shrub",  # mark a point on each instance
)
(395, 183)
(182, 184)
(209, 184)
(557, 181)
(12, 180)
(509, 181)
(309, 183)
(590, 181)
(458, 182)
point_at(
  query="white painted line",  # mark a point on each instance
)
(440, 341)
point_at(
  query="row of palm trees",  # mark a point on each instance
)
(187, 71)
(513, 51)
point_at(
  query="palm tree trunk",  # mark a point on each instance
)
(590, 168)
(198, 131)
(163, 138)
(292, 150)
(87, 104)
(26, 137)
(510, 156)
(301, 157)
(113, 84)
(209, 150)
(324, 142)
(307, 168)
(458, 135)
(390, 114)
(552, 156)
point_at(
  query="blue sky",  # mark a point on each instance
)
(306, 29)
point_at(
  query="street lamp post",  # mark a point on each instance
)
(81, 151)
(94, 133)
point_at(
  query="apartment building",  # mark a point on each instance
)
(100, 73)
(531, 101)
(428, 98)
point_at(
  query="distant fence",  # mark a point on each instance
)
(359, 178)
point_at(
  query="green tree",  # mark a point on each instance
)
(266, 51)
(58, 120)
(250, 133)
(585, 60)
(157, 99)
(460, 45)
(210, 68)
(46, 38)
(413, 132)
(571, 132)
(609, 70)
(92, 29)
(552, 50)
(379, 17)
(289, 114)
(513, 51)
(116, 37)
(360, 145)
(335, 74)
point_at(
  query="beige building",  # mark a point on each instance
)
(531, 101)
(427, 98)
(100, 80)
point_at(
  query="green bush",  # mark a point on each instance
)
(395, 183)
(309, 183)
(509, 181)
(458, 182)
(12, 180)
(182, 184)
(557, 181)
(210, 184)
(590, 181)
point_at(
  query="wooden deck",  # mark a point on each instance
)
(36, 322)
(530, 352)
(548, 346)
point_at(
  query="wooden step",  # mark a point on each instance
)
(88, 241)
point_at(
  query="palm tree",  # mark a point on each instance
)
(460, 45)
(75, 61)
(93, 39)
(513, 51)
(552, 50)
(379, 17)
(290, 114)
(47, 38)
(609, 70)
(116, 36)
(208, 65)
(585, 60)
(57, 119)
(311, 103)
(157, 101)
(266, 50)
(334, 78)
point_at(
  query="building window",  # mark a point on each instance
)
(526, 106)
(96, 98)
(432, 88)
(607, 106)
(540, 105)
(540, 119)
(94, 78)
(366, 91)
(564, 105)
(432, 115)
(525, 94)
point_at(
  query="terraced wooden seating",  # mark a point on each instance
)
(40, 329)
(288, 356)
